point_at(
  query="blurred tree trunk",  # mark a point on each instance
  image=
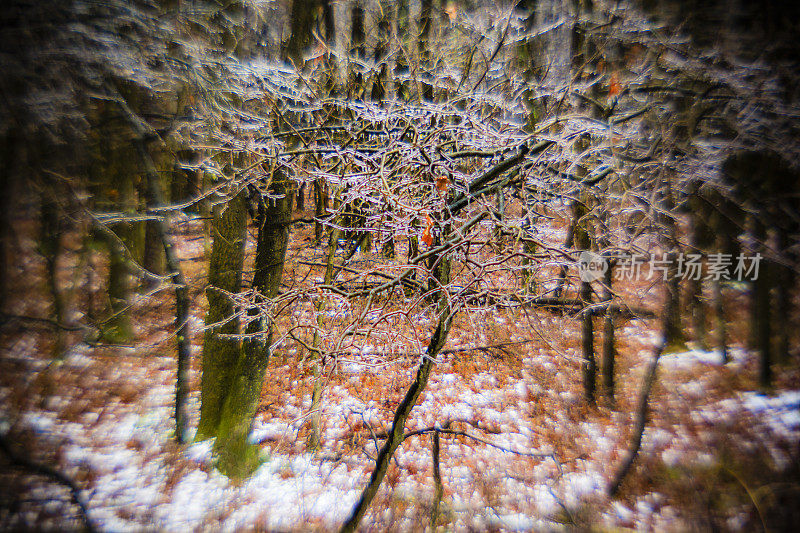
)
(155, 199)
(114, 190)
(425, 23)
(50, 229)
(237, 457)
(696, 304)
(357, 50)
(153, 258)
(403, 19)
(609, 351)
(300, 36)
(381, 50)
(760, 309)
(395, 435)
(719, 316)
(321, 199)
(220, 355)
(784, 283)
(9, 165)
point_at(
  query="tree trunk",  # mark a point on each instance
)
(500, 202)
(381, 49)
(608, 339)
(301, 197)
(153, 260)
(761, 305)
(401, 63)
(118, 327)
(300, 36)
(582, 242)
(112, 169)
(675, 336)
(719, 316)
(784, 283)
(696, 304)
(237, 458)
(220, 355)
(587, 331)
(395, 437)
(568, 243)
(425, 22)
(50, 246)
(155, 198)
(320, 208)
(8, 163)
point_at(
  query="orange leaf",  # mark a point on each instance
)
(426, 236)
(441, 183)
(614, 88)
(451, 10)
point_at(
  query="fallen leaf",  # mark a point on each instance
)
(614, 88)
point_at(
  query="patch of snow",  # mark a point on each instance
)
(200, 452)
(685, 360)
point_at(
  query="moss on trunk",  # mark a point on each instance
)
(236, 457)
(220, 355)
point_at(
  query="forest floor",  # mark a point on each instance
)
(530, 453)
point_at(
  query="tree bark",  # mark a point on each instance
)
(761, 304)
(50, 247)
(719, 316)
(302, 19)
(395, 437)
(224, 272)
(401, 63)
(587, 334)
(155, 199)
(237, 458)
(425, 22)
(608, 340)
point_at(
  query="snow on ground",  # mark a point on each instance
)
(133, 489)
(525, 481)
(690, 358)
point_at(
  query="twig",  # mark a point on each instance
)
(457, 433)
